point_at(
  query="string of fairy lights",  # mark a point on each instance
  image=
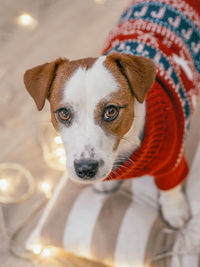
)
(17, 185)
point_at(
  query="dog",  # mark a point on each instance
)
(126, 113)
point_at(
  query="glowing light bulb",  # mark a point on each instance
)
(45, 187)
(100, 1)
(46, 252)
(26, 20)
(60, 151)
(37, 249)
(62, 159)
(58, 140)
(3, 185)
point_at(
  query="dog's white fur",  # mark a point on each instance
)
(83, 91)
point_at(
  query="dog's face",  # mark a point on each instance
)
(92, 106)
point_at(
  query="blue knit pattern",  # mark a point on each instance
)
(130, 47)
(160, 13)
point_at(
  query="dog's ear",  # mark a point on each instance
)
(140, 72)
(38, 81)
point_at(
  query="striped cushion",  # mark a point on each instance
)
(122, 229)
(118, 229)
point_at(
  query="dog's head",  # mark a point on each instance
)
(92, 106)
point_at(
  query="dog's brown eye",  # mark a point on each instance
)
(64, 115)
(110, 113)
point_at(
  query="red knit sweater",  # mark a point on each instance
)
(169, 103)
(160, 153)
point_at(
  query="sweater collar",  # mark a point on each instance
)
(163, 134)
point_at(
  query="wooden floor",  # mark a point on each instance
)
(63, 28)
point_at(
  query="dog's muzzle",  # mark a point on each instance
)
(86, 168)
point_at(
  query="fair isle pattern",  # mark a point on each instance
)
(181, 5)
(159, 31)
(171, 18)
(149, 32)
(142, 49)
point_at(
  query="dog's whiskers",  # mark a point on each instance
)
(120, 166)
(109, 178)
(128, 140)
(138, 116)
(131, 161)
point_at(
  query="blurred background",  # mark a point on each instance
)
(31, 154)
(31, 33)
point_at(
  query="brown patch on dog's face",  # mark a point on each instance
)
(135, 76)
(122, 98)
(139, 72)
(47, 81)
(63, 74)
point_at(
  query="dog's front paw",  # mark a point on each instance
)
(174, 207)
(107, 186)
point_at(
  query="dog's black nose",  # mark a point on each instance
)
(86, 168)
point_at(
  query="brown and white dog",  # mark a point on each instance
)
(85, 96)
(98, 107)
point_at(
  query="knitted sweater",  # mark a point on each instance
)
(168, 31)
